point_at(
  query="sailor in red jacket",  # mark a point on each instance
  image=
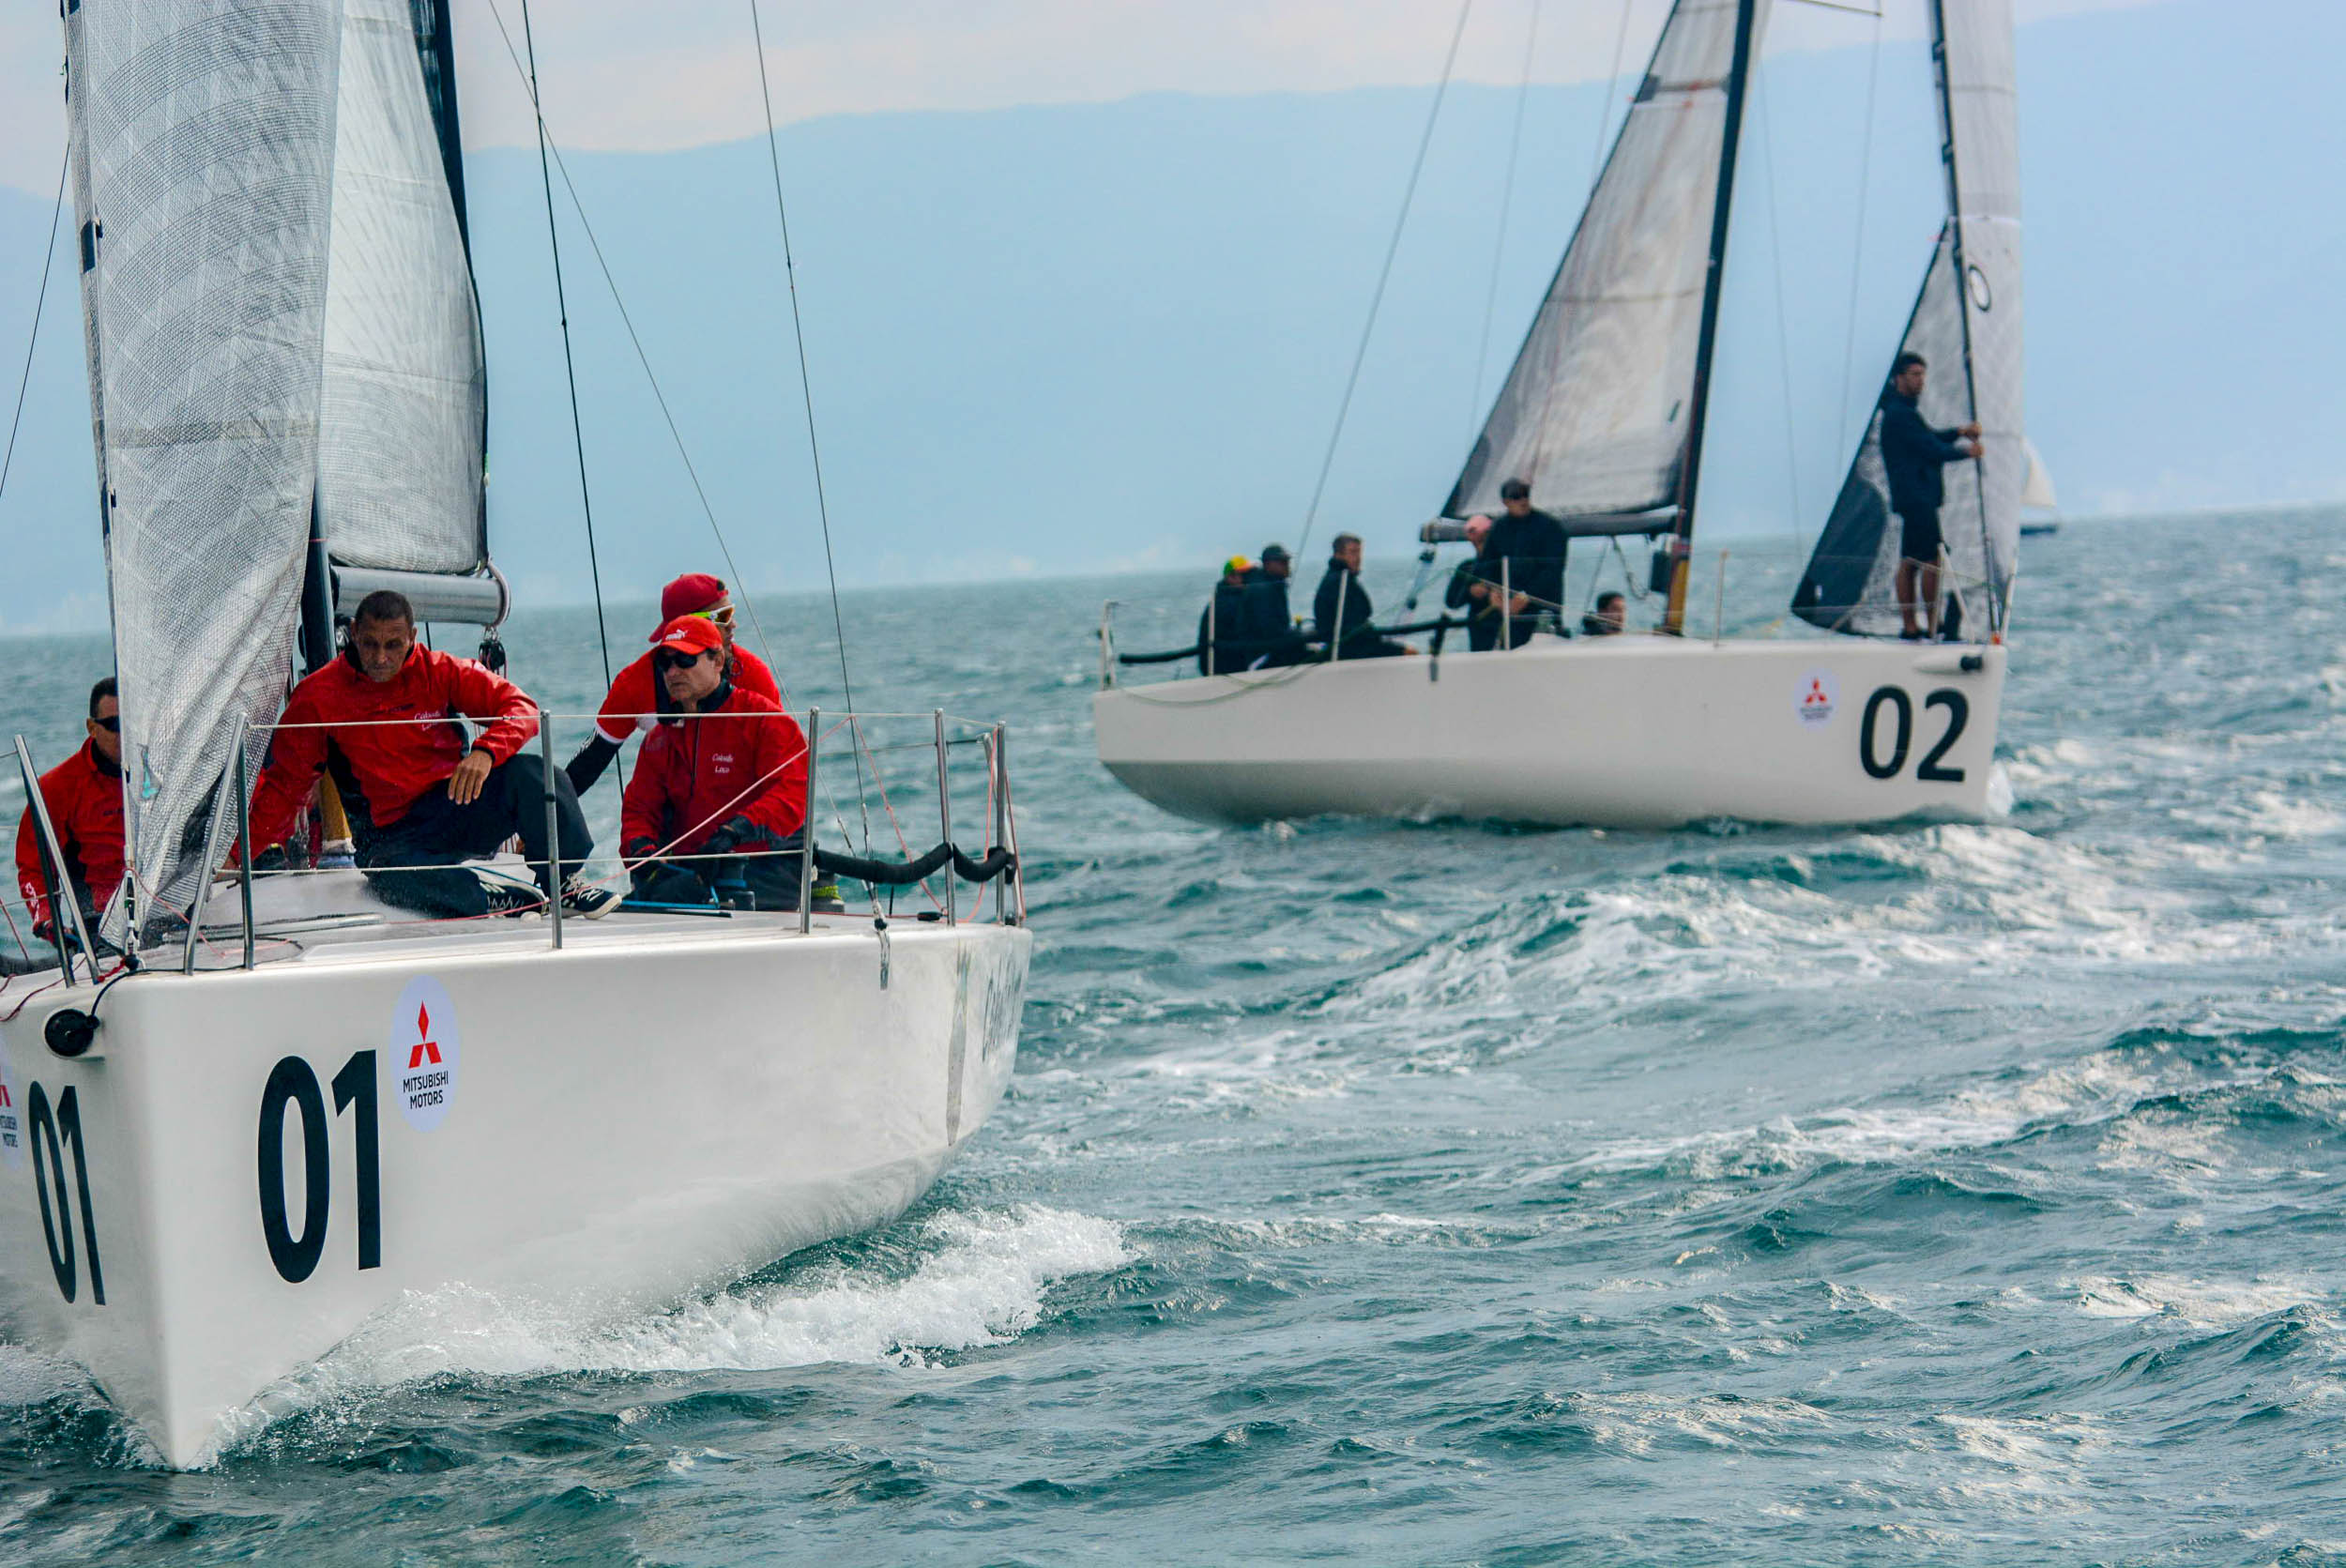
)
(421, 790)
(717, 800)
(84, 793)
(637, 698)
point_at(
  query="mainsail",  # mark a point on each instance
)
(404, 405)
(1596, 412)
(203, 136)
(1967, 325)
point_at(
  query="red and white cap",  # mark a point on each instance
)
(689, 634)
(690, 594)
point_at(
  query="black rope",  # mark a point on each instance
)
(40, 302)
(897, 874)
(569, 364)
(806, 390)
(1393, 247)
(1234, 645)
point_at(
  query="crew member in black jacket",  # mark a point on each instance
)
(1219, 623)
(1265, 623)
(1914, 456)
(1521, 556)
(1341, 613)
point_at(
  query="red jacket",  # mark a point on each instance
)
(382, 768)
(84, 793)
(744, 758)
(635, 697)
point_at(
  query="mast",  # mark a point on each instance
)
(1681, 536)
(1962, 273)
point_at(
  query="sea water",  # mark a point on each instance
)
(1452, 1193)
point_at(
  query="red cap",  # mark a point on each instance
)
(690, 594)
(689, 634)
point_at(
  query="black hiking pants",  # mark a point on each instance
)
(438, 831)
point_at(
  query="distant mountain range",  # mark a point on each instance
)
(1077, 339)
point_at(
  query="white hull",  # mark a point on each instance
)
(1631, 731)
(654, 1110)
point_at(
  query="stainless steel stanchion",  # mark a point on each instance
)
(945, 818)
(54, 877)
(1001, 813)
(554, 831)
(244, 836)
(204, 882)
(806, 834)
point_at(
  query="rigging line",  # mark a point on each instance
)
(806, 387)
(1498, 246)
(642, 359)
(1783, 333)
(40, 301)
(569, 365)
(1425, 140)
(1621, 42)
(1857, 245)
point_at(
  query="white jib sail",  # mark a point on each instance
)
(1985, 133)
(202, 137)
(402, 418)
(1968, 330)
(1595, 410)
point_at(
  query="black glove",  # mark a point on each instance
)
(271, 858)
(740, 836)
(719, 843)
(639, 849)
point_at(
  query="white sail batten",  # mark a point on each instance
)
(1968, 330)
(202, 134)
(1594, 412)
(405, 400)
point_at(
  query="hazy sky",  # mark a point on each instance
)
(622, 75)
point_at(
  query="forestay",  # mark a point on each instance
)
(202, 133)
(1967, 325)
(405, 400)
(1594, 412)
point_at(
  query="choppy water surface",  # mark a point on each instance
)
(1449, 1193)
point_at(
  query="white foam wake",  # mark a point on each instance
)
(982, 1280)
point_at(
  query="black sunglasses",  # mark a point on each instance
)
(666, 661)
(112, 723)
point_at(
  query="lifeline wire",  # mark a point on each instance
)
(1506, 204)
(1311, 513)
(40, 301)
(806, 390)
(642, 360)
(569, 365)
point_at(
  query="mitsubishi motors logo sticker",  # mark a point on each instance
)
(11, 1118)
(424, 1051)
(1816, 698)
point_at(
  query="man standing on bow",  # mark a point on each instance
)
(1914, 456)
